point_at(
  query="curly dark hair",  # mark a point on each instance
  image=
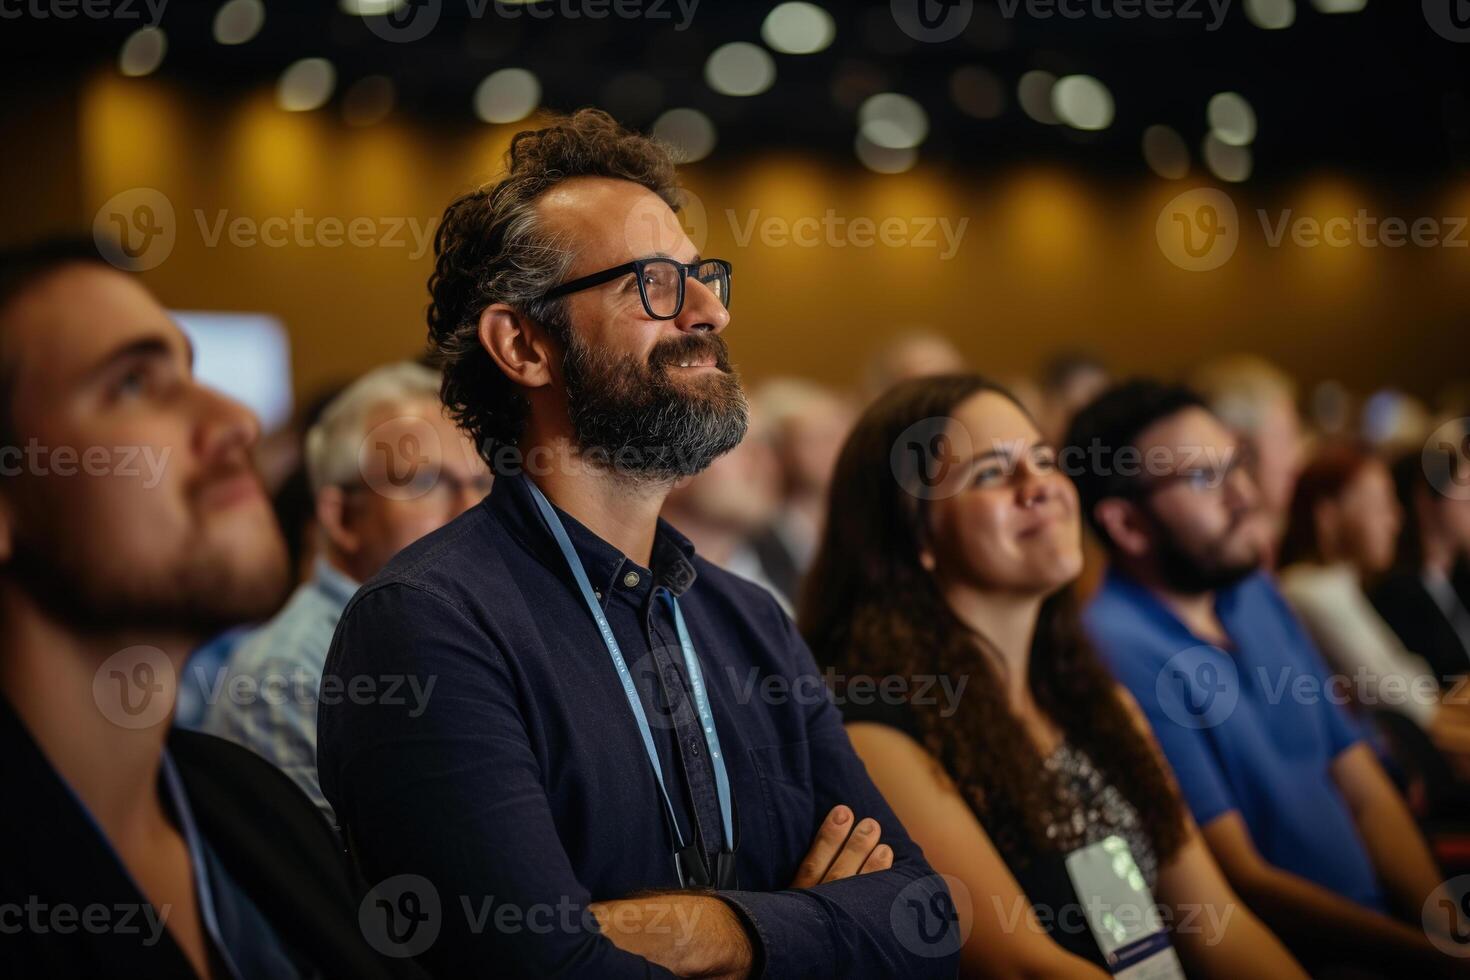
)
(870, 608)
(490, 248)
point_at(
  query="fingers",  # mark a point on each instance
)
(828, 842)
(881, 859)
(855, 852)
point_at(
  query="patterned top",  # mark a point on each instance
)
(1093, 809)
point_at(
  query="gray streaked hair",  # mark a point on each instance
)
(332, 444)
(491, 248)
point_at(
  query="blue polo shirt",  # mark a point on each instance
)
(1253, 729)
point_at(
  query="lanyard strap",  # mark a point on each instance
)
(691, 666)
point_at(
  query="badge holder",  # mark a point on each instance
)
(1121, 913)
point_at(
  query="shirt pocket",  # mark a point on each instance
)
(785, 773)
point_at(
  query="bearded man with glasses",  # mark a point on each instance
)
(627, 747)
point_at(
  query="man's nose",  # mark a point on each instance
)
(702, 309)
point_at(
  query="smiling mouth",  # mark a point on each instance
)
(709, 363)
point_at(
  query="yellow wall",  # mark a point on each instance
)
(1050, 258)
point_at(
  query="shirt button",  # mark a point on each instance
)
(631, 579)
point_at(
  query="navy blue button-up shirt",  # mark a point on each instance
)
(519, 791)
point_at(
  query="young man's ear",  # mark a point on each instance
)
(1120, 522)
(331, 517)
(518, 347)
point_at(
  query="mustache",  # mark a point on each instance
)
(227, 467)
(690, 347)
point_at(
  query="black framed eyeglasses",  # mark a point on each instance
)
(660, 283)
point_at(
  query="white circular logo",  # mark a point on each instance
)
(1450, 19)
(139, 223)
(407, 23)
(652, 226)
(1446, 916)
(1198, 230)
(926, 458)
(401, 916)
(136, 687)
(932, 917)
(1446, 459)
(932, 21)
(401, 458)
(1199, 687)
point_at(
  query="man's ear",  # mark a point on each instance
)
(518, 347)
(331, 517)
(1121, 522)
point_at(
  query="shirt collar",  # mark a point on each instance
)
(336, 584)
(608, 569)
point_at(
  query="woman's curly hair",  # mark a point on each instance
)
(491, 247)
(870, 608)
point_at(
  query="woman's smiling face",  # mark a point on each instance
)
(1013, 523)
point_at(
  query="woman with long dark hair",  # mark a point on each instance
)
(1012, 756)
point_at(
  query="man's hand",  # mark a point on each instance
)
(841, 851)
(689, 935)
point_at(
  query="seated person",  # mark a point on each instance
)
(1419, 598)
(136, 528)
(1295, 806)
(372, 498)
(1344, 524)
(623, 737)
(1040, 756)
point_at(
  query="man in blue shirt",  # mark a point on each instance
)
(1293, 803)
(386, 467)
(629, 766)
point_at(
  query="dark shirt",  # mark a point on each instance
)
(522, 779)
(1090, 809)
(274, 895)
(1425, 624)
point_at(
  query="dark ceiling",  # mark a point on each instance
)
(1376, 92)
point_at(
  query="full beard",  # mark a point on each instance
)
(639, 421)
(204, 593)
(1197, 572)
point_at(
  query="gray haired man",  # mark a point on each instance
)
(386, 467)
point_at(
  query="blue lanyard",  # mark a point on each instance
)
(691, 666)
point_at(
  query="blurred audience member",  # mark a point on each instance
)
(1394, 422)
(1068, 382)
(1344, 524)
(916, 352)
(1293, 803)
(722, 509)
(1257, 401)
(1419, 598)
(1033, 758)
(386, 467)
(806, 424)
(140, 529)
